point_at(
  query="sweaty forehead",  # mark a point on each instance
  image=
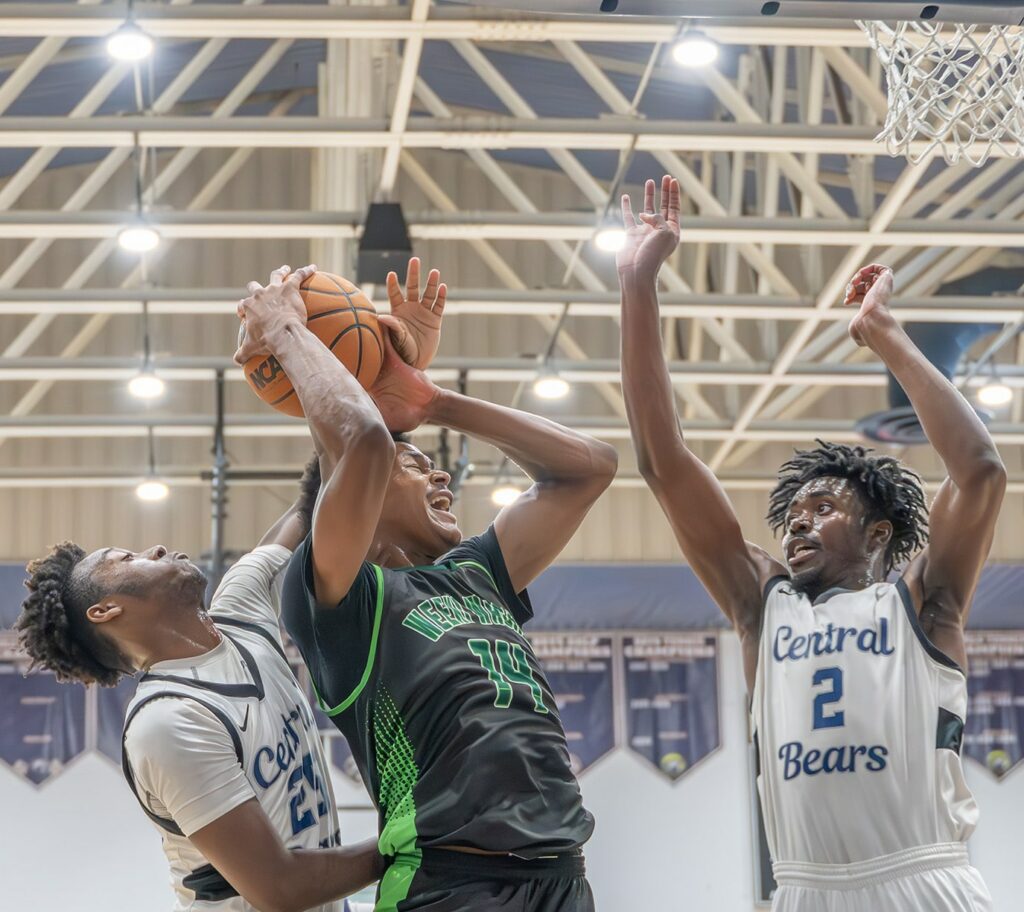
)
(408, 450)
(826, 486)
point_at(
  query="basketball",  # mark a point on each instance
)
(341, 317)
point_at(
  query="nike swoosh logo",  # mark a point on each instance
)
(245, 722)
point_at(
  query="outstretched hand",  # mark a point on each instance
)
(414, 323)
(268, 308)
(653, 235)
(870, 289)
(402, 393)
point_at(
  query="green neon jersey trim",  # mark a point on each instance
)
(378, 613)
(479, 566)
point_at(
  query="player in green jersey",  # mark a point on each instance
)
(413, 635)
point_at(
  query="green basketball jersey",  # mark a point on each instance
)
(427, 673)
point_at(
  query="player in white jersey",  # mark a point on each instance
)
(857, 683)
(220, 746)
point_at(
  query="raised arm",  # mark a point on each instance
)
(963, 515)
(355, 447)
(701, 516)
(569, 472)
(246, 850)
(414, 326)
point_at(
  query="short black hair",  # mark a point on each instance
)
(888, 490)
(53, 628)
(401, 437)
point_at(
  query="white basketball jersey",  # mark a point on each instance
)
(245, 686)
(858, 720)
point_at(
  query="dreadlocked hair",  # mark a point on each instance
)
(53, 629)
(888, 489)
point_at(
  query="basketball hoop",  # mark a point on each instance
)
(955, 88)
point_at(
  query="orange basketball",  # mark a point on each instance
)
(341, 317)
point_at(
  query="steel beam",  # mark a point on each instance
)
(530, 226)
(403, 98)
(269, 424)
(222, 20)
(520, 302)
(614, 132)
(196, 476)
(498, 370)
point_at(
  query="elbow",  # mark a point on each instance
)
(651, 469)
(363, 434)
(993, 474)
(372, 433)
(605, 462)
(987, 475)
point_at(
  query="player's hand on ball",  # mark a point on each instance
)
(654, 234)
(403, 394)
(414, 323)
(268, 308)
(870, 290)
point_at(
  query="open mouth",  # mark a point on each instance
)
(441, 503)
(801, 552)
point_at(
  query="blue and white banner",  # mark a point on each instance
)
(995, 708)
(42, 723)
(579, 670)
(672, 699)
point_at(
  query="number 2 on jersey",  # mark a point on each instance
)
(512, 667)
(833, 677)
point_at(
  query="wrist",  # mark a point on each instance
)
(881, 331)
(636, 275)
(282, 331)
(439, 406)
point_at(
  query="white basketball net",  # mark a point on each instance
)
(955, 88)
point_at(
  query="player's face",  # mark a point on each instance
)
(419, 504)
(826, 534)
(161, 578)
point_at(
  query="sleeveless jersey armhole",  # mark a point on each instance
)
(372, 654)
(927, 645)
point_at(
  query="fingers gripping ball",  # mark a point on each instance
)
(341, 317)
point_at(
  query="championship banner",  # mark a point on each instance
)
(672, 699)
(42, 723)
(579, 670)
(995, 700)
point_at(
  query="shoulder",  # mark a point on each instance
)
(299, 591)
(166, 723)
(483, 548)
(482, 554)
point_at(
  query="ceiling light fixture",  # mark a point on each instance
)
(694, 49)
(550, 385)
(995, 394)
(139, 238)
(146, 385)
(129, 44)
(152, 490)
